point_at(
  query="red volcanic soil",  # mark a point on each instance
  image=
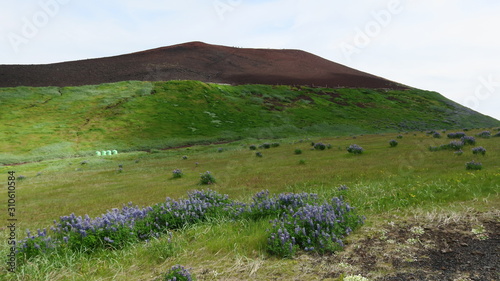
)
(197, 61)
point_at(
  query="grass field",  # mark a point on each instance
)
(385, 183)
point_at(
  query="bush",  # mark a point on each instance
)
(298, 151)
(207, 178)
(453, 145)
(302, 162)
(313, 228)
(473, 165)
(266, 145)
(319, 146)
(393, 143)
(301, 221)
(400, 136)
(252, 147)
(436, 135)
(275, 144)
(355, 149)
(177, 173)
(177, 273)
(497, 135)
(468, 140)
(457, 135)
(484, 134)
(479, 150)
(258, 154)
(185, 157)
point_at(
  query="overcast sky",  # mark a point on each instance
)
(449, 46)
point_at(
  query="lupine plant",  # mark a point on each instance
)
(479, 150)
(266, 145)
(355, 149)
(468, 140)
(207, 178)
(300, 222)
(393, 143)
(252, 147)
(319, 146)
(453, 145)
(177, 173)
(472, 165)
(298, 151)
(436, 135)
(313, 227)
(484, 134)
(457, 135)
(177, 273)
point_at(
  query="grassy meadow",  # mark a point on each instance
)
(383, 182)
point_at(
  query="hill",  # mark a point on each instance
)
(46, 122)
(197, 61)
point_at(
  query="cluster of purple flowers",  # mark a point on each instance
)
(302, 221)
(484, 134)
(313, 227)
(177, 173)
(479, 150)
(264, 205)
(473, 165)
(319, 146)
(456, 135)
(113, 229)
(198, 207)
(177, 273)
(355, 149)
(468, 140)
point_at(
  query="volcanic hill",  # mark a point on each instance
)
(197, 61)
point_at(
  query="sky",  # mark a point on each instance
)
(448, 46)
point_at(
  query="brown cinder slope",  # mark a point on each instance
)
(197, 61)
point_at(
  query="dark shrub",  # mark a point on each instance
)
(473, 165)
(484, 134)
(457, 135)
(479, 150)
(319, 146)
(207, 178)
(393, 143)
(355, 149)
(468, 140)
(177, 173)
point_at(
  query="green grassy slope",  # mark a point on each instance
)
(42, 123)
